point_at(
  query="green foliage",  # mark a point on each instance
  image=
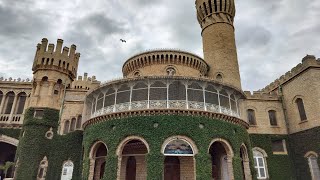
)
(34, 146)
(6, 167)
(114, 131)
(279, 166)
(14, 133)
(301, 143)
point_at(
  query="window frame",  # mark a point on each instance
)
(262, 156)
(253, 115)
(275, 117)
(301, 109)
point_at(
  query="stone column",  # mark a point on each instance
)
(2, 103)
(37, 91)
(13, 107)
(50, 90)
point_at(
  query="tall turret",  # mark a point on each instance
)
(53, 70)
(216, 20)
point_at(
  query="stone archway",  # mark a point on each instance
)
(221, 160)
(8, 147)
(179, 160)
(132, 153)
(245, 163)
(98, 156)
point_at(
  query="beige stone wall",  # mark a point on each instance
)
(305, 86)
(219, 49)
(261, 108)
(161, 70)
(187, 168)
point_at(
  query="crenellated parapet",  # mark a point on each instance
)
(260, 95)
(308, 61)
(85, 83)
(211, 12)
(49, 57)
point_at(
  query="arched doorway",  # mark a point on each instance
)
(7, 157)
(132, 155)
(98, 161)
(221, 160)
(245, 166)
(172, 168)
(179, 159)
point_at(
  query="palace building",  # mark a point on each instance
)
(173, 116)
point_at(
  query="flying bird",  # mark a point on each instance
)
(122, 40)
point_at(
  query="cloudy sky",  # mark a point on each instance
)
(272, 35)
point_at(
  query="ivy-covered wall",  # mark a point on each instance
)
(302, 143)
(280, 167)
(14, 133)
(34, 146)
(112, 132)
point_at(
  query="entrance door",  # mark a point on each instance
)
(131, 168)
(171, 168)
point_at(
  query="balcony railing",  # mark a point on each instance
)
(14, 119)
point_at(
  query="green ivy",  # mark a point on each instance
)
(33, 146)
(279, 166)
(303, 142)
(14, 133)
(112, 132)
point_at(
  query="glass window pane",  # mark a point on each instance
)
(260, 161)
(262, 173)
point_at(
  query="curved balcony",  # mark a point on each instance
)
(148, 93)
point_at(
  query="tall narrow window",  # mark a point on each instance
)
(73, 124)
(314, 167)
(21, 102)
(79, 121)
(42, 171)
(66, 127)
(251, 117)
(1, 96)
(273, 118)
(301, 109)
(260, 164)
(9, 102)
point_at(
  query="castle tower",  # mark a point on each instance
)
(53, 70)
(216, 20)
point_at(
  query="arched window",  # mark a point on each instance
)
(79, 121)
(66, 127)
(273, 118)
(21, 102)
(1, 96)
(313, 165)
(9, 102)
(44, 78)
(67, 170)
(259, 158)
(100, 101)
(73, 124)
(42, 171)
(301, 109)
(98, 160)
(251, 117)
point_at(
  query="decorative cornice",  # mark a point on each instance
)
(164, 56)
(155, 112)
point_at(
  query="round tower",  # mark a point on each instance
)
(53, 70)
(216, 20)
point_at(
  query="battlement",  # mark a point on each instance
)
(85, 83)
(50, 57)
(11, 80)
(307, 62)
(260, 95)
(210, 12)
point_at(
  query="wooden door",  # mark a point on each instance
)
(171, 168)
